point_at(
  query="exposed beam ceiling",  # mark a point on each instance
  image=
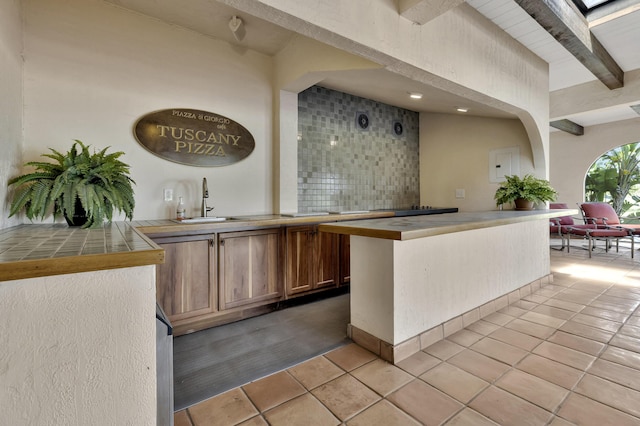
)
(568, 126)
(571, 30)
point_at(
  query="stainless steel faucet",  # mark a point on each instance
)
(205, 194)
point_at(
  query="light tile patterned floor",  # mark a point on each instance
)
(567, 354)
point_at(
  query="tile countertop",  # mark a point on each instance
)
(411, 227)
(38, 250)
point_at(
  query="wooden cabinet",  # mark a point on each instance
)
(312, 259)
(345, 259)
(185, 282)
(299, 250)
(326, 259)
(249, 267)
(209, 280)
(214, 279)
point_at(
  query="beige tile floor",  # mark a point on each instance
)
(567, 354)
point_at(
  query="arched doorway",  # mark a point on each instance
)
(615, 178)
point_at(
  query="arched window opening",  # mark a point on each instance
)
(615, 178)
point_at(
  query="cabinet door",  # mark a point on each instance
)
(299, 253)
(325, 259)
(184, 286)
(249, 267)
(345, 259)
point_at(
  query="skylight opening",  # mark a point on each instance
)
(587, 6)
(590, 4)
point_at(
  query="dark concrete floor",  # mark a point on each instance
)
(215, 360)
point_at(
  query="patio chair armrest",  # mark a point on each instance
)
(620, 228)
(594, 220)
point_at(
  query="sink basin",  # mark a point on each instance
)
(201, 220)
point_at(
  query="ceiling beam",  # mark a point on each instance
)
(568, 126)
(571, 30)
(423, 11)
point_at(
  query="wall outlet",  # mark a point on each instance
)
(460, 193)
(168, 194)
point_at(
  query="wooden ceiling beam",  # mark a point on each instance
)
(568, 126)
(570, 28)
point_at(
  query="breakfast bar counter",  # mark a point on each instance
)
(411, 227)
(418, 279)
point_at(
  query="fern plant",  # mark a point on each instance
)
(528, 188)
(97, 183)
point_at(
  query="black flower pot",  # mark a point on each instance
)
(79, 217)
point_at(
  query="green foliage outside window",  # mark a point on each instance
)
(615, 178)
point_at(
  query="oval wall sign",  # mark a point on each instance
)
(194, 137)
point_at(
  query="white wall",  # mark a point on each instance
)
(79, 349)
(454, 154)
(573, 155)
(92, 69)
(400, 289)
(10, 102)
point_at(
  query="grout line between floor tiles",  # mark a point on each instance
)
(186, 410)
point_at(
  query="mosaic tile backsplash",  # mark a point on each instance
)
(355, 153)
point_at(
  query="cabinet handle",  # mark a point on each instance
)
(221, 242)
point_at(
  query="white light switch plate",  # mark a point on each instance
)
(168, 194)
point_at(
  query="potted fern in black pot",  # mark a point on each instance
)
(83, 187)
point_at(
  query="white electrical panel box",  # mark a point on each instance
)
(503, 162)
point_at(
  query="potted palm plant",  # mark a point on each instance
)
(85, 188)
(524, 192)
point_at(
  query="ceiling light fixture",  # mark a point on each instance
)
(237, 28)
(461, 109)
(415, 95)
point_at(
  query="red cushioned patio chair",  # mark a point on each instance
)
(558, 225)
(604, 214)
(608, 227)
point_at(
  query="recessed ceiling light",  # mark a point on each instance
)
(461, 109)
(415, 95)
